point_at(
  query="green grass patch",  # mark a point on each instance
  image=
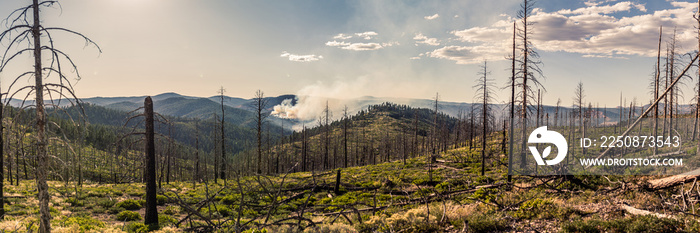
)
(127, 215)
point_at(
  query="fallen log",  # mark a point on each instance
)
(635, 211)
(679, 152)
(669, 182)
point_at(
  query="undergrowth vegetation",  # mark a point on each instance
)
(387, 197)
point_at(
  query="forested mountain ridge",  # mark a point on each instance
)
(380, 133)
(185, 130)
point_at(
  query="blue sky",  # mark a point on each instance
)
(346, 49)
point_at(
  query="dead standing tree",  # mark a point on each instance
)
(528, 71)
(655, 103)
(24, 33)
(512, 107)
(657, 75)
(223, 138)
(259, 104)
(151, 218)
(148, 121)
(578, 108)
(484, 92)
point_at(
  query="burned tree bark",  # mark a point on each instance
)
(151, 218)
(345, 137)
(222, 171)
(196, 155)
(512, 108)
(656, 87)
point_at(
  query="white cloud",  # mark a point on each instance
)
(363, 46)
(360, 46)
(467, 54)
(590, 31)
(301, 58)
(366, 35)
(602, 56)
(342, 36)
(336, 43)
(389, 44)
(597, 2)
(481, 34)
(606, 9)
(431, 17)
(422, 39)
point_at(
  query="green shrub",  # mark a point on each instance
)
(161, 200)
(443, 187)
(98, 192)
(231, 199)
(536, 208)
(98, 210)
(170, 210)
(165, 220)
(142, 202)
(106, 203)
(85, 223)
(486, 223)
(225, 211)
(484, 195)
(115, 209)
(74, 202)
(136, 227)
(17, 212)
(128, 216)
(221, 210)
(129, 204)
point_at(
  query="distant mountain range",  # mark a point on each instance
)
(239, 111)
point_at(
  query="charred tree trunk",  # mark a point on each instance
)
(512, 109)
(671, 96)
(303, 149)
(345, 137)
(656, 88)
(151, 218)
(222, 170)
(171, 150)
(196, 155)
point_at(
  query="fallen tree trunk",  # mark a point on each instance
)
(667, 154)
(669, 182)
(635, 211)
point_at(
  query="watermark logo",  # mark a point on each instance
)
(542, 135)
